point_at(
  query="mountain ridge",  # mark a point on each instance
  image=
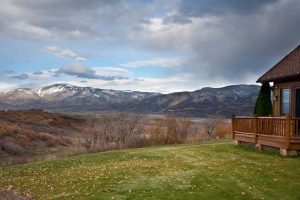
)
(224, 101)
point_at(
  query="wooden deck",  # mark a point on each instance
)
(279, 132)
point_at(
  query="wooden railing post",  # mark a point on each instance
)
(233, 126)
(255, 128)
(288, 132)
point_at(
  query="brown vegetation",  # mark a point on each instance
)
(124, 129)
(31, 132)
(112, 130)
(11, 194)
(26, 134)
(217, 127)
(171, 130)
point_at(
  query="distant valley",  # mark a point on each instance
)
(235, 99)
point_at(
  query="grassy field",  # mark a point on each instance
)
(191, 171)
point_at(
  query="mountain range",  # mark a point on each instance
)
(225, 101)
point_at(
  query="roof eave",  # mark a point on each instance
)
(279, 79)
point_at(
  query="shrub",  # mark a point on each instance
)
(32, 136)
(11, 147)
(210, 124)
(61, 141)
(51, 143)
(45, 136)
(171, 130)
(67, 140)
(22, 140)
(223, 129)
(216, 127)
(138, 141)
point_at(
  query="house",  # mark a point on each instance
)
(281, 131)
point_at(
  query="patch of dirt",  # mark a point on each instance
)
(10, 194)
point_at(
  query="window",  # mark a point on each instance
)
(285, 101)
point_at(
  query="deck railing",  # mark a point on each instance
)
(277, 126)
(295, 126)
(279, 132)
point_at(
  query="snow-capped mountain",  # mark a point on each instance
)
(69, 97)
(67, 90)
(236, 99)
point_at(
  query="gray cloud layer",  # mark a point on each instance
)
(196, 8)
(70, 19)
(21, 76)
(82, 71)
(228, 40)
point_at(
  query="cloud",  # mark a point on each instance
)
(162, 85)
(226, 45)
(196, 8)
(64, 53)
(70, 20)
(157, 62)
(38, 73)
(21, 28)
(21, 76)
(112, 71)
(5, 87)
(82, 71)
(9, 71)
(227, 41)
(176, 18)
(78, 70)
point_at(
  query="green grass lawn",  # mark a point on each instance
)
(192, 171)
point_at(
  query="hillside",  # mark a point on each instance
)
(65, 97)
(191, 171)
(226, 101)
(25, 134)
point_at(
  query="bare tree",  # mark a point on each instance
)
(126, 125)
(90, 134)
(112, 129)
(175, 129)
(119, 129)
(210, 125)
(107, 129)
(172, 129)
(184, 126)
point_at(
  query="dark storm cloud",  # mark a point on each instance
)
(21, 76)
(196, 8)
(229, 41)
(243, 45)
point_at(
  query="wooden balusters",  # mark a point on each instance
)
(261, 125)
(255, 124)
(288, 132)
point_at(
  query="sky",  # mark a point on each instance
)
(146, 45)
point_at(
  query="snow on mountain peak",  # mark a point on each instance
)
(52, 89)
(23, 90)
